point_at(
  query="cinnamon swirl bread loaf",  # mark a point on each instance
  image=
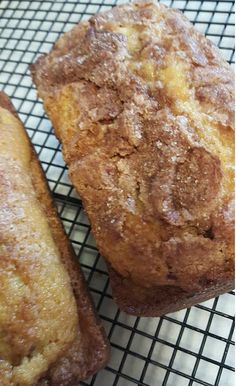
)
(48, 328)
(143, 106)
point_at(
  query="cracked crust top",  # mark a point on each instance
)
(143, 106)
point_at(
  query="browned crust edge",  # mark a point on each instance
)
(6, 104)
(91, 341)
(161, 300)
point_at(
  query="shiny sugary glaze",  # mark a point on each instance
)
(38, 315)
(143, 106)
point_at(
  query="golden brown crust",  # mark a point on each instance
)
(160, 300)
(6, 103)
(89, 350)
(143, 105)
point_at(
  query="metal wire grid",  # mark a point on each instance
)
(190, 347)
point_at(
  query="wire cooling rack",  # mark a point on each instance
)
(190, 347)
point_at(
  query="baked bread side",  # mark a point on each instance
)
(143, 106)
(42, 320)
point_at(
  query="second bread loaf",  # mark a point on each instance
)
(49, 332)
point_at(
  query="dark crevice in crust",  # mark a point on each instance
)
(209, 234)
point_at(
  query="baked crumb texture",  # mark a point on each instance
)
(41, 328)
(143, 106)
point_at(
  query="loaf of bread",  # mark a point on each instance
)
(143, 106)
(47, 323)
